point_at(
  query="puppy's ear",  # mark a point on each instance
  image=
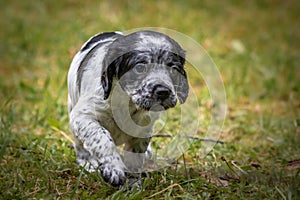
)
(181, 88)
(181, 82)
(108, 75)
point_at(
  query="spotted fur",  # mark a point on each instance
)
(148, 67)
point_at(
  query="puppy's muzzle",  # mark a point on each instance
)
(162, 97)
(161, 93)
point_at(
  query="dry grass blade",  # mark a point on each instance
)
(162, 191)
(62, 133)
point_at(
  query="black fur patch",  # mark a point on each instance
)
(97, 38)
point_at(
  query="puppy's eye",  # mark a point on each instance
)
(140, 69)
(173, 70)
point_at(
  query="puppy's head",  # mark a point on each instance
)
(150, 69)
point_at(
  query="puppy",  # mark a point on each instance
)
(117, 84)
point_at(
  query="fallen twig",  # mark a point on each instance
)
(191, 137)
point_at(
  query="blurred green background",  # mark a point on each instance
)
(255, 44)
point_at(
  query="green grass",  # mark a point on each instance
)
(256, 46)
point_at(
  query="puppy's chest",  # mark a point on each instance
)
(123, 129)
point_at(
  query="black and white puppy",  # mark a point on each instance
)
(149, 68)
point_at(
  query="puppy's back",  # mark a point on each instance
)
(86, 66)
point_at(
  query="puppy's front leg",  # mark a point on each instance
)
(97, 146)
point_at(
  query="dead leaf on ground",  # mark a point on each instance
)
(219, 182)
(255, 164)
(293, 164)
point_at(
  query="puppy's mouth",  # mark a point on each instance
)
(156, 105)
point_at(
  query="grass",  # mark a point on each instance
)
(256, 46)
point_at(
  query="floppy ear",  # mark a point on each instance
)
(181, 88)
(108, 76)
(181, 83)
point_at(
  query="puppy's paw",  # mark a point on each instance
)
(113, 175)
(148, 153)
(133, 182)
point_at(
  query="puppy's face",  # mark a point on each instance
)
(149, 67)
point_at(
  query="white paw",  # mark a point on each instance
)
(90, 166)
(148, 153)
(113, 175)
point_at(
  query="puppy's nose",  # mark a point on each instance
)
(162, 92)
